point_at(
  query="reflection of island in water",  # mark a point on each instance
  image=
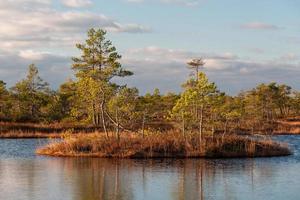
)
(93, 179)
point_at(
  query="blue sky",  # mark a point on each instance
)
(243, 42)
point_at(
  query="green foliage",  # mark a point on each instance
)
(268, 102)
(198, 96)
(99, 58)
(295, 102)
(66, 101)
(94, 98)
(123, 107)
(156, 107)
(4, 102)
(95, 69)
(30, 96)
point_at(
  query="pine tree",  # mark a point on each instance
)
(95, 69)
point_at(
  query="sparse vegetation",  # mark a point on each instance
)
(94, 99)
(188, 124)
(167, 144)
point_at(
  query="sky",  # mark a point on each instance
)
(243, 43)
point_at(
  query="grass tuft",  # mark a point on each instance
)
(164, 145)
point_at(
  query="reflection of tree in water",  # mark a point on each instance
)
(93, 179)
(195, 179)
(220, 179)
(99, 179)
(19, 178)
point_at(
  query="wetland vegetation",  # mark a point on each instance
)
(201, 121)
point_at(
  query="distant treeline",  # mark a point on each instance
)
(93, 98)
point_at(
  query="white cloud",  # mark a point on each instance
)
(259, 26)
(55, 69)
(183, 2)
(8, 5)
(33, 31)
(156, 67)
(135, 1)
(31, 26)
(31, 55)
(189, 3)
(77, 3)
(256, 50)
(244, 70)
(290, 57)
(176, 55)
(35, 23)
(163, 68)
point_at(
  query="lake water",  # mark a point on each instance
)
(25, 176)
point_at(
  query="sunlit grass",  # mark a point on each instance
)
(18, 134)
(158, 145)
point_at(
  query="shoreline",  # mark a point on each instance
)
(57, 130)
(25, 135)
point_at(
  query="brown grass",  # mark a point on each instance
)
(164, 145)
(288, 127)
(24, 135)
(40, 128)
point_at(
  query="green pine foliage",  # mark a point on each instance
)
(94, 98)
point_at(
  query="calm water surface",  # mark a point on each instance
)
(25, 176)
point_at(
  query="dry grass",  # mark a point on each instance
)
(288, 127)
(166, 145)
(24, 135)
(36, 130)
(39, 130)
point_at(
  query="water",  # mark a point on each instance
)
(25, 176)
